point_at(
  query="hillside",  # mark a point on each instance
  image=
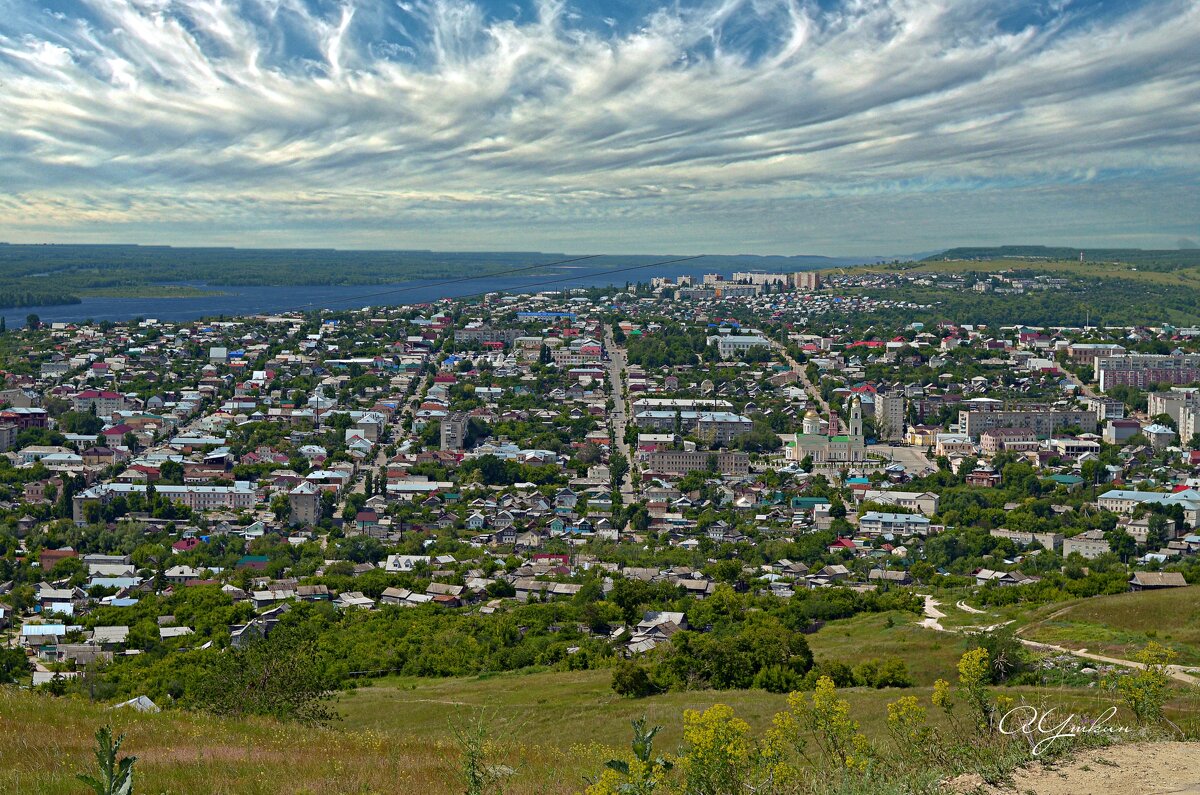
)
(1151, 259)
(1118, 625)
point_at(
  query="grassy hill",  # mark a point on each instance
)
(1118, 625)
(1152, 259)
(1065, 268)
(552, 727)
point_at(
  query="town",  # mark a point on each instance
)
(478, 454)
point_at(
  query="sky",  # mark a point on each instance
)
(863, 127)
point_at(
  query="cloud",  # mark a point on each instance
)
(732, 125)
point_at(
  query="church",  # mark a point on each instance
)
(824, 441)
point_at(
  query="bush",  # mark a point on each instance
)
(633, 680)
(1006, 655)
(777, 679)
(891, 672)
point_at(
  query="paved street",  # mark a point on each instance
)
(616, 376)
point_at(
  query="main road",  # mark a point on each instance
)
(813, 393)
(617, 362)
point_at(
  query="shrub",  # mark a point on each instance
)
(1145, 691)
(633, 680)
(777, 679)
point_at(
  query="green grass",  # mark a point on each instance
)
(1117, 626)
(554, 728)
(930, 654)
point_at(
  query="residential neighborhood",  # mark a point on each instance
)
(472, 456)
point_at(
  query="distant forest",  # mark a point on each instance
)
(38, 275)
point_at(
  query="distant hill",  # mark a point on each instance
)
(1155, 259)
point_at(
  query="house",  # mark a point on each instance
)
(888, 576)
(1151, 580)
(183, 575)
(354, 599)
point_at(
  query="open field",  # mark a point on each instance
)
(1119, 625)
(1065, 268)
(394, 738)
(930, 655)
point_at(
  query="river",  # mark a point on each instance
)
(242, 301)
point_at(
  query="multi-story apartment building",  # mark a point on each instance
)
(995, 440)
(1143, 369)
(1051, 541)
(1090, 545)
(104, 402)
(484, 333)
(23, 417)
(806, 280)
(454, 431)
(889, 416)
(1043, 421)
(1173, 403)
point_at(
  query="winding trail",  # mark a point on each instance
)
(933, 616)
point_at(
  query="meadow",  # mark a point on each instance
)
(1119, 625)
(553, 728)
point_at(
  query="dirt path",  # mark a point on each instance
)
(966, 608)
(1176, 672)
(1133, 769)
(932, 614)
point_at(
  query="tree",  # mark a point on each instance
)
(33, 322)
(1121, 543)
(281, 676)
(281, 506)
(170, 473)
(361, 549)
(1145, 691)
(633, 680)
(618, 466)
(14, 666)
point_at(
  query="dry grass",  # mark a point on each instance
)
(1068, 268)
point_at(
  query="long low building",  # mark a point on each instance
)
(717, 427)
(681, 462)
(1126, 501)
(240, 495)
